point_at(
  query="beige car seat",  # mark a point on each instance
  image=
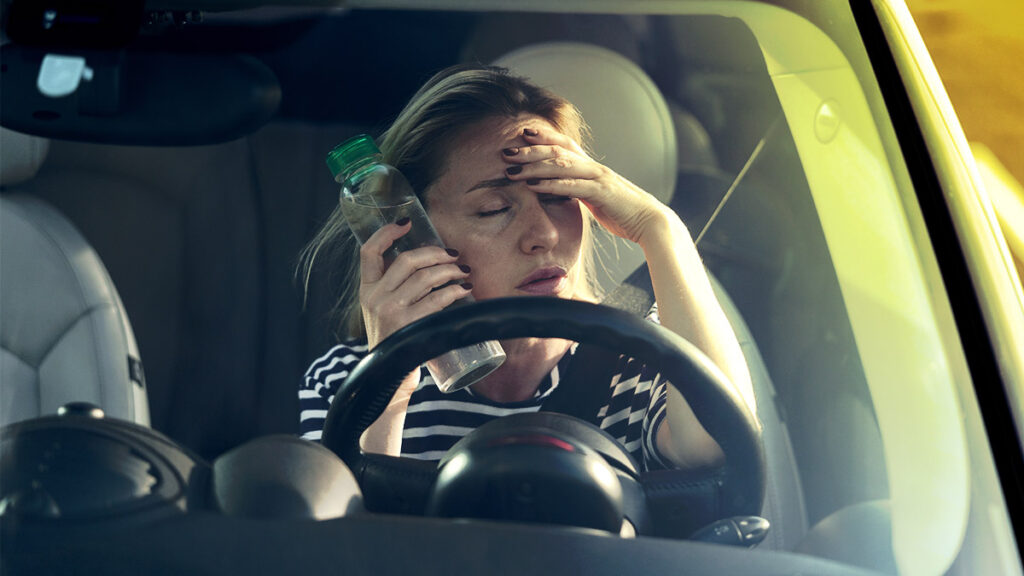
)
(64, 334)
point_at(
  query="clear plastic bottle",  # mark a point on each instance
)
(374, 194)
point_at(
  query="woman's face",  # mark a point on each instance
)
(518, 243)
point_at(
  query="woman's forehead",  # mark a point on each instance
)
(477, 150)
(502, 132)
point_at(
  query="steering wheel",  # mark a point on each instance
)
(402, 485)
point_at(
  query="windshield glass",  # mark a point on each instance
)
(857, 324)
(765, 130)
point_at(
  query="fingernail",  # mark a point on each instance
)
(402, 221)
(452, 252)
(513, 169)
(468, 285)
(510, 151)
(530, 132)
(533, 181)
(464, 268)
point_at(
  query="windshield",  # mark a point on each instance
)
(768, 132)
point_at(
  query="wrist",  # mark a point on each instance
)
(662, 227)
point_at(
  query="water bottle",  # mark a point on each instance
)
(374, 194)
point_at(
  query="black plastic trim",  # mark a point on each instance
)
(218, 545)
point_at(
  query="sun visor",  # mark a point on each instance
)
(135, 97)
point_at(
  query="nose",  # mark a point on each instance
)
(539, 232)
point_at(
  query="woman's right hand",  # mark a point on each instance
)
(412, 287)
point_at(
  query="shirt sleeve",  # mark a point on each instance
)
(653, 419)
(322, 379)
(655, 415)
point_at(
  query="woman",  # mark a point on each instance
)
(500, 169)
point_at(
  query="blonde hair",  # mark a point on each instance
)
(418, 144)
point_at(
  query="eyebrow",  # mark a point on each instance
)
(493, 183)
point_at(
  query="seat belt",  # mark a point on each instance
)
(584, 391)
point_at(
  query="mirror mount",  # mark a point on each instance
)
(136, 96)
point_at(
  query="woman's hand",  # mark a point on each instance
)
(555, 164)
(418, 283)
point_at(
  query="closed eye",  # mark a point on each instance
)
(487, 213)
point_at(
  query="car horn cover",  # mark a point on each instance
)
(533, 474)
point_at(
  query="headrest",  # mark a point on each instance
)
(21, 156)
(632, 127)
(497, 33)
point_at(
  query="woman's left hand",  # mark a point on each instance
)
(553, 163)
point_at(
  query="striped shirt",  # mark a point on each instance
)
(434, 422)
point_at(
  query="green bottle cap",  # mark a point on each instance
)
(349, 152)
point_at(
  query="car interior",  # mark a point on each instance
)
(187, 170)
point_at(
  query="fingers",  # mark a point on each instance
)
(439, 299)
(557, 165)
(539, 135)
(406, 283)
(543, 152)
(541, 144)
(419, 282)
(385, 312)
(408, 264)
(550, 155)
(554, 164)
(371, 253)
(555, 170)
(390, 311)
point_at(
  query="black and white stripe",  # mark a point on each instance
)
(434, 421)
(323, 377)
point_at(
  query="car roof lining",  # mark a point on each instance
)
(145, 93)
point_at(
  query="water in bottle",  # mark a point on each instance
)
(374, 194)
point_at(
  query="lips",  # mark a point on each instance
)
(547, 281)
